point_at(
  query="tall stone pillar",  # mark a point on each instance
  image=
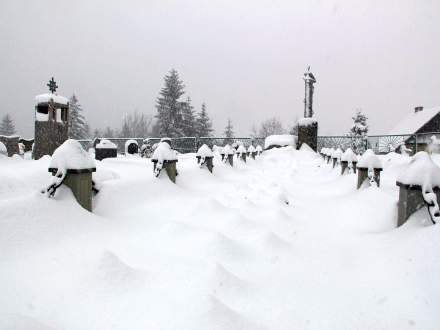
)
(308, 126)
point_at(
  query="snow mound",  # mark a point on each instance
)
(71, 156)
(106, 144)
(337, 153)
(164, 152)
(241, 149)
(420, 171)
(349, 156)
(304, 122)
(227, 150)
(204, 151)
(251, 148)
(306, 148)
(45, 98)
(259, 148)
(369, 160)
(279, 141)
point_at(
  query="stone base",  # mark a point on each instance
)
(243, 157)
(49, 135)
(363, 175)
(208, 162)
(231, 160)
(11, 144)
(170, 167)
(335, 162)
(309, 135)
(27, 144)
(344, 167)
(410, 200)
(102, 153)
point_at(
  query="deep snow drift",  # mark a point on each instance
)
(281, 242)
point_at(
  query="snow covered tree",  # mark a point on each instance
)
(7, 126)
(204, 125)
(229, 132)
(271, 126)
(358, 131)
(78, 128)
(188, 119)
(169, 108)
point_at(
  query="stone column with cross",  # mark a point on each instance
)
(308, 126)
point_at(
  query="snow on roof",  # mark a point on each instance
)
(414, 121)
(163, 152)
(106, 144)
(280, 140)
(369, 160)
(71, 156)
(45, 98)
(421, 171)
(204, 151)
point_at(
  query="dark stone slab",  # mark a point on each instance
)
(308, 135)
(11, 143)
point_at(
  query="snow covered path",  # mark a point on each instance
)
(283, 242)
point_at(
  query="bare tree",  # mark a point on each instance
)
(136, 125)
(271, 126)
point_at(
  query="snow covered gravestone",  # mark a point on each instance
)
(348, 161)
(228, 154)
(205, 157)
(328, 154)
(165, 158)
(369, 166)
(259, 150)
(11, 144)
(51, 123)
(106, 149)
(241, 152)
(72, 166)
(308, 132)
(322, 152)
(336, 156)
(278, 141)
(3, 150)
(131, 147)
(419, 185)
(252, 152)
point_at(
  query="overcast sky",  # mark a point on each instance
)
(244, 58)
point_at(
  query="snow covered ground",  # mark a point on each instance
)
(282, 242)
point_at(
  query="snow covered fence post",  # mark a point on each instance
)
(419, 185)
(252, 152)
(51, 123)
(205, 157)
(369, 166)
(258, 150)
(348, 158)
(308, 132)
(72, 166)
(241, 151)
(11, 144)
(165, 158)
(105, 149)
(228, 154)
(336, 156)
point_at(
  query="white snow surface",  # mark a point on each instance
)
(414, 121)
(349, 156)
(337, 153)
(163, 152)
(280, 140)
(242, 248)
(369, 160)
(204, 151)
(241, 149)
(3, 149)
(421, 170)
(71, 156)
(307, 122)
(106, 144)
(44, 98)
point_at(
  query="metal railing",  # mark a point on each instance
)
(181, 144)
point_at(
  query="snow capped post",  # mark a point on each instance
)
(308, 126)
(72, 166)
(51, 121)
(259, 150)
(228, 154)
(369, 166)
(205, 157)
(336, 156)
(252, 152)
(348, 160)
(165, 158)
(105, 149)
(419, 185)
(241, 152)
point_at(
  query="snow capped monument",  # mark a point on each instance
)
(51, 121)
(308, 126)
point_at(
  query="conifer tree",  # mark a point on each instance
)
(204, 125)
(189, 127)
(358, 131)
(229, 132)
(169, 107)
(78, 128)
(7, 126)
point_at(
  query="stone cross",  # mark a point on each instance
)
(52, 85)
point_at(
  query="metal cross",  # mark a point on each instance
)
(52, 85)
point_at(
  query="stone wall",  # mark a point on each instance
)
(11, 143)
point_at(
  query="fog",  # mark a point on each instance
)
(245, 59)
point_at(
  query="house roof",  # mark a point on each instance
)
(414, 121)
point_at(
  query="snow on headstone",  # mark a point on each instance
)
(258, 149)
(164, 152)
(369, 160)
(241, 149)
(204, 151)
(309, 121)
(420, 171)
(131, 147)
(251, 148)
(71, 156)
(337, 154)
(106, 144)
(279, 141)
(349, 156)
(227, 150)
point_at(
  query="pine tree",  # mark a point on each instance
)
(358, 131)
(229, 132)
(189, 125)
(169, 108)
(7, 126)
(77, 124)
(125, 130)
(109, 133)
(204, 125)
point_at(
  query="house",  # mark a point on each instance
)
(418, 126)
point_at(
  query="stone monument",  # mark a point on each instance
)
(308, 126)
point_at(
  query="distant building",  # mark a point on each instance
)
(422, 122)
